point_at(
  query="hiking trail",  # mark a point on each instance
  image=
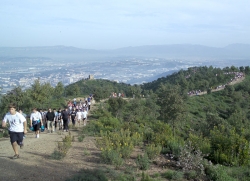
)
(35, 162)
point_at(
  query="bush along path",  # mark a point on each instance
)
(40, 159)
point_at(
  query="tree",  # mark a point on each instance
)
(172, 105)
(59, 90)
(247, 70)
(73, 91)
(229, 90)
(116, 105)
(16, 96)
(41, 94)
(242, 69)
(76, 90)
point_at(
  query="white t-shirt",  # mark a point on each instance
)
(35, 116)
(78, 115)
(15, 121)
(84, 114)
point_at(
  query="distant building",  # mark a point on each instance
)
(91, 77)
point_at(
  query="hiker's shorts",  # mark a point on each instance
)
(16, 137)
(36, 125)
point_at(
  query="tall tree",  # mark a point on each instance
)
(172, 104)
(59, 90)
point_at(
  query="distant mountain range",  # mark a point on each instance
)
(233, 51)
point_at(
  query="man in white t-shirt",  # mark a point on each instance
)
(84, 117)
(78, 117)
(17, 128)
(36, 121)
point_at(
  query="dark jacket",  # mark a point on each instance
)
(65, 114)
(50, 116)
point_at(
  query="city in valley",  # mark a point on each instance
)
(17, 69)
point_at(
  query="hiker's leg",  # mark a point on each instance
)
(15, 147)
(53, 126)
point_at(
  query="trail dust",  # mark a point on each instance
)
(35, 161)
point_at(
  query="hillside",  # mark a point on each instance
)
(158, 131)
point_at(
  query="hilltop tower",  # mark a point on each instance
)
(91, 77)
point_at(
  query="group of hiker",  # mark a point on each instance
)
(237, 75)
(44, 120)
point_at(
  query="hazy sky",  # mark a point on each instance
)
(109, 24)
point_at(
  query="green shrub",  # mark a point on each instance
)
(91, 129)
(62, 147)
(162, 133)
(191, 174)
(172, 146)
(148, 135)
(229, 148)
(173, 175)
(122, 141)
(218, 173)
(239, 173)
(86, 152)
(146, 177)
(156, 175)
(200, 143)
(89, 175)
(153, 151)
(191, 159)
(124, 177)
(112, 157)
(104, 124)
(57, 155)
(142, 162)
(81, 137)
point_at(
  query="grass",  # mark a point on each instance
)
(173, 175)
(86, 152)
(81, 137)
(89, 175)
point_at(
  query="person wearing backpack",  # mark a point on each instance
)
(36, 121)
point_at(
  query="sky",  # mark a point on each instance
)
(111, 24)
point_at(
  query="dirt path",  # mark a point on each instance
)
(35, 161)
(219, 89)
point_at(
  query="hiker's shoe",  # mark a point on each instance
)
(15, 156)
(21, 145)
(37, 136)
